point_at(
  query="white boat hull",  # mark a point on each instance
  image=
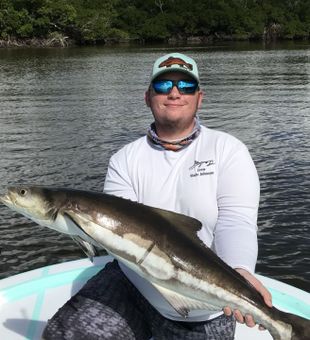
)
(29, 299)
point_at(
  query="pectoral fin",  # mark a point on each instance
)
(87, 248)
(183, 304)
(72, 225)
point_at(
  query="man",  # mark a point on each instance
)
(187, 168)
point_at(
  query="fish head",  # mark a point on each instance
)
(30, 201)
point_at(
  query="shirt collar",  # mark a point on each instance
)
(173, 145)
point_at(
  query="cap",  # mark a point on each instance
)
(175, 62)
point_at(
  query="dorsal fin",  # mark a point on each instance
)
(186, 224)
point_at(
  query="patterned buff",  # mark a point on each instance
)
(173, 145)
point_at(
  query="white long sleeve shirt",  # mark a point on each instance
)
(213, 180)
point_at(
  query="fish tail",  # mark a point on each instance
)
(300, 327)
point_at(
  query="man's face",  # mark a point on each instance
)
(175, 109)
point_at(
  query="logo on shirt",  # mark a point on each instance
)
(201, 168)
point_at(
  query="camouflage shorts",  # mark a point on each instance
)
(110, 307)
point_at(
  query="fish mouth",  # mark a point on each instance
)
(5, 199)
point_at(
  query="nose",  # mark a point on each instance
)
(174, 93)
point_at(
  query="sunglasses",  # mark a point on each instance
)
(165, 86)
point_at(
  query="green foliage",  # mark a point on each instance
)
(54, 16)
(91, 21)
(131, 20)
(94, 20)
(15, 23)
(155, 28)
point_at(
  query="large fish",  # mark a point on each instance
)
(159, 245)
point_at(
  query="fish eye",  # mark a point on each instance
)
(22, 192)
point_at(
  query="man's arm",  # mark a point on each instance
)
(248, 319)
(117, 181)
(235, 238)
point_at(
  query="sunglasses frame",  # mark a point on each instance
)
(176, 83)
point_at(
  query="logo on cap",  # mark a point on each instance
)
(175, 61)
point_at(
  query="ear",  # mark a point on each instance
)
(147, 98)
(200, 97)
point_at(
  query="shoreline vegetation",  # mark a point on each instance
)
(63, 23)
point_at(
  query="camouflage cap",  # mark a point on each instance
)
(175, 62)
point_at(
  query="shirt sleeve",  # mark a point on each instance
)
(235, 237)
(117, 181)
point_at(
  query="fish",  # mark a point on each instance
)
(160, 245)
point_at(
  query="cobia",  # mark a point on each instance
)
(160, 245)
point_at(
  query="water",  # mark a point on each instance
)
(65, 111)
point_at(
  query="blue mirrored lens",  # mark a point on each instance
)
(187, 86)
(162, 86)
(184, 86)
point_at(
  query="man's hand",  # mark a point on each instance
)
(247, 318)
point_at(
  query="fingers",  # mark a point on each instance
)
(257, 285)
(264, 292)
(238, 316)
(267, 296)
(249, 321)
(227, 311)
(247, 318)
(261, 328)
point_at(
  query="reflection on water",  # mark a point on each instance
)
(65, 111)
